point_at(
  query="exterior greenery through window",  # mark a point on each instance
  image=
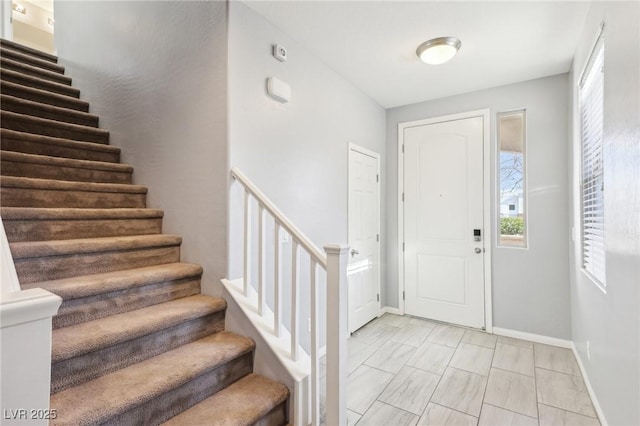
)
(511, 127)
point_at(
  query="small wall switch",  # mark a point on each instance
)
(278, 90)
(589, 350)
(280, 52)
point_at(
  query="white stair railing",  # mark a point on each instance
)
(334, 262)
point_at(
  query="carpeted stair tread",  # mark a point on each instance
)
(243, 403)
(27, 69)
(89, 297)
(31, 249)
(28, 58)
(11, 45)
(75, 340)
(49, 193)
(91, 285)
(38, 83)
(57, 259)
(38, 224)
(30, 143)
(44, 96)
(34, 213)
(63, 185)
(113, 394)
(58, 129)
(51, 112)
(58, 168)
(20, 157)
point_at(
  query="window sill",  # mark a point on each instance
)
(594, 281)
(511, 241)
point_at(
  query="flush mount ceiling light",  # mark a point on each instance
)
(438, 50)
(19, 8)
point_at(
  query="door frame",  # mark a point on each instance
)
(487, 220)
(362, 150)
(6, 20)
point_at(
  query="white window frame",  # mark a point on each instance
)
(592, 235)
(525, 207)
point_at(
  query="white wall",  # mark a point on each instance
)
(295, 152)
(530, 286)
(156, 73)
(611, 321)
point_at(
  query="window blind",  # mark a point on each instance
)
(591, 111)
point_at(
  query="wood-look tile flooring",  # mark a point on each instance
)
(408, 371)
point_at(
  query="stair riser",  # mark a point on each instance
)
(34, 72)
(41, 84)
(80, 369)
(86, 134)
(91, 308)
(44, 97)
(174, 402)
(35, 111)
(25, 50)
(30, 197)
(55, 267)
(45, 171)
(275, 417)
(42, 148)
(26, 58)
(49, 229)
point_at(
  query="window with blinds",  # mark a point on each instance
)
(591, 115)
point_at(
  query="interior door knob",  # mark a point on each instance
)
(478, 250)
(354, 252)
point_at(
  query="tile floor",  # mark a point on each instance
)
(408, 371)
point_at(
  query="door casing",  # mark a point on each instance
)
(487, 221)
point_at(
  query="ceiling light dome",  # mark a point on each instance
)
(438, 50)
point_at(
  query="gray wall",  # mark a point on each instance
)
(156, 73)
(530, 286)
(296, 152)
(611, 321)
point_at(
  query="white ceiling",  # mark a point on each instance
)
(373, 43)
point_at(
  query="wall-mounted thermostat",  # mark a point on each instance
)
(278, 90)
(280, 52)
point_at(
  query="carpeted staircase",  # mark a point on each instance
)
(134, 341)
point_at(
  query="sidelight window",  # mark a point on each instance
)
(512, 226)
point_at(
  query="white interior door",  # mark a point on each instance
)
(443, 189)
(363, 271)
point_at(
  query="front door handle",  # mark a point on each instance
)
(354, 252)
(478, 250)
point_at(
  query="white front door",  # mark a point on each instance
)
(363, 271)
(443, 190)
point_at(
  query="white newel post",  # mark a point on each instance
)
(337, 330)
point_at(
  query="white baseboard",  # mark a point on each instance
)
(553, 341)
(537, 338)
(587, 383)
(389, 310)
